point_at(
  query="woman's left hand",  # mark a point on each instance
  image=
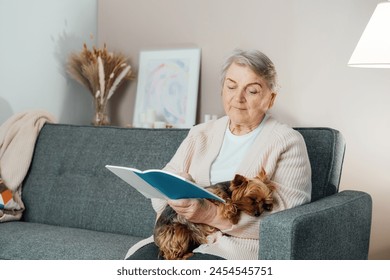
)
(201, 211)
(195, 210)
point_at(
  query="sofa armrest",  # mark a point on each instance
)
(334, 227)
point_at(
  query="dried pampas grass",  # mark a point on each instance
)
(101, 72)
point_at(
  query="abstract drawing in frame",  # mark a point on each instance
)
(168, 82)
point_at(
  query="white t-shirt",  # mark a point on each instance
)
(233, 150)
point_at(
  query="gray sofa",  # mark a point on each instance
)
(77, 209)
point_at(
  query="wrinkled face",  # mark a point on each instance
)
(246, 96)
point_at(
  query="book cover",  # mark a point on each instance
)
(155, 183)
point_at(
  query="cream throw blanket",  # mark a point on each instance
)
(17, 141)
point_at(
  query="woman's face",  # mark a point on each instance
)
(246, 96)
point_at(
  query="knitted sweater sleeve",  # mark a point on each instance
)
(196, 149)
(178, 164)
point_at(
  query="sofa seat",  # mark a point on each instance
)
(25, 240)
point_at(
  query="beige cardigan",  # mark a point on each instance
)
(279, 149)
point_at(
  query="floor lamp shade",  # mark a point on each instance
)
(373, 48)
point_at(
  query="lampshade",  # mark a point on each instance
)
(373, 48)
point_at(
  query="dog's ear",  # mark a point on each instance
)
(238, 181)
(271, 186)
(263, 175)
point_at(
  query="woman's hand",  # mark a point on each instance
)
(194, 210)
(186, 176)
(200, 211)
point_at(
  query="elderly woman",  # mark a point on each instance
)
(243, 142)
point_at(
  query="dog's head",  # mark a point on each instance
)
(253, 196)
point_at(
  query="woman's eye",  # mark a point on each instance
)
(252, 90)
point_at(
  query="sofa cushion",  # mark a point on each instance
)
(68, 184)
(21, 240)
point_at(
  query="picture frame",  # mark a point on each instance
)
(167, 89)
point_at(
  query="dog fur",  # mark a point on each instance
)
(177, 238)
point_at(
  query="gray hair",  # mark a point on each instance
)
(257, 61)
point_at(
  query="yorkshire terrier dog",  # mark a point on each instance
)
(177, 238)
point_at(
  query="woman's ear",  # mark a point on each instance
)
(272, 101)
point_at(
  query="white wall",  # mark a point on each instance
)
(310, 42)
(36, 38)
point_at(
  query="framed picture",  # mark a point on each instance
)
(167, 89)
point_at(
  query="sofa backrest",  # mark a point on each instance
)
(68, 184)
(326, 149)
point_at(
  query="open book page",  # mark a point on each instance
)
(161, 184)
(136, 182)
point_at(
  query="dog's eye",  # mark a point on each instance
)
(268, 207)
(256, 202)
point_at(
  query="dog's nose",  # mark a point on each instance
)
(257, 214)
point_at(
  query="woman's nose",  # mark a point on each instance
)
(240, 95)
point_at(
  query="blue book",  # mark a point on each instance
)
(155, 183)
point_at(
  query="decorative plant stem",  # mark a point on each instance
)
(102, 73)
